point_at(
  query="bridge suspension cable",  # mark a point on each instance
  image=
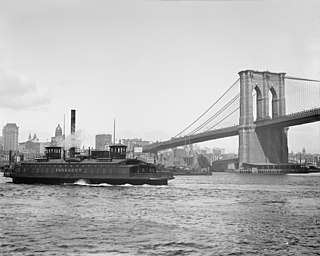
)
(208, 109)
(216, 115)
(301, 79)
(223, 119)
(301, 94)
(230, 114)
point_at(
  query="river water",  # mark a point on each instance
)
(222, 214)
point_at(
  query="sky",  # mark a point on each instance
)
(154, 66)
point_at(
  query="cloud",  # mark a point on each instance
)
(19, 92)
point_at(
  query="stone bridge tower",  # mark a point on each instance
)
(267, 144)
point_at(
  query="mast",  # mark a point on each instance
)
(64, 126)
(64, 133)
(114, 131)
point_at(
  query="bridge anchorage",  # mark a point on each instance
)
(267, 104)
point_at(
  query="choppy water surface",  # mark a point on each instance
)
(223, 214)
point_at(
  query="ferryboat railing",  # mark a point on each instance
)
(152, 174)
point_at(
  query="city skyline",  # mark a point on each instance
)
(304, 149)
(154, 66)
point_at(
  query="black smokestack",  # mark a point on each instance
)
(72, 150)
(73, 121)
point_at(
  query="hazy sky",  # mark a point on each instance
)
(152, 65)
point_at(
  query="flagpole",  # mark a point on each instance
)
(114, 131)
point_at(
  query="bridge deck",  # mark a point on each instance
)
(303, 117)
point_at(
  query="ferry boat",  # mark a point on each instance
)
(111, 167)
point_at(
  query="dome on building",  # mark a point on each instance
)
(58, 131)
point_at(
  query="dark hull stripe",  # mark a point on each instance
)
(120, 181)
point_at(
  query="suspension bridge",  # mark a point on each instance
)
(259, 107)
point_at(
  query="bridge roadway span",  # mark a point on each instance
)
(297, 118)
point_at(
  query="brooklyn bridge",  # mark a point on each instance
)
(261, 107)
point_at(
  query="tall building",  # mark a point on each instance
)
(103, 140)
(1, 143)
(10, 135)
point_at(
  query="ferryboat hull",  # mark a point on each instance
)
(110, 181)
(127, 171)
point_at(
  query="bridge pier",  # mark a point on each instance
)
(264, 144)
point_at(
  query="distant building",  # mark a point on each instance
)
(43, 146)
(58, 138)
(10, 135)
(141, 143)
(102, 141)
(229, 156)
(219, 153)
(303, 158)
(127, 142)
(32, 145)
(179, 152)
(34, 139)
(208, 150)
(132, 143)
(58, 132)
(1, 143)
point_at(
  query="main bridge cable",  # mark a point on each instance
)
(207, 109)
(215, 115)
(301, 79)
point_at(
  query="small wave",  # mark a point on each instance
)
(109, 185)
(86, 184)
(144, 185)
(83, 182)
(284, 201)
(99, 185)
(304, 174)
(109, 253)
(184, 245)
